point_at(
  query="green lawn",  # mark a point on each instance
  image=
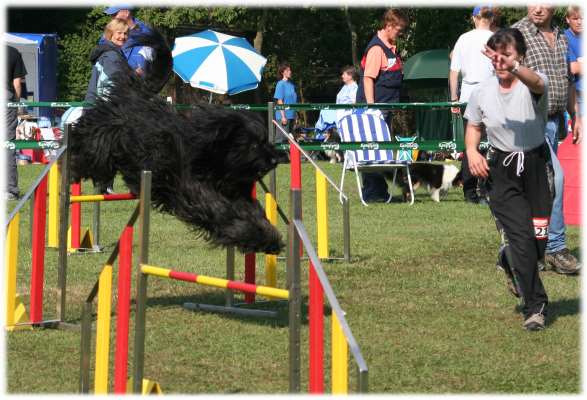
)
(422, 296)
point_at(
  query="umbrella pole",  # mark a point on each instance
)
(210, 99)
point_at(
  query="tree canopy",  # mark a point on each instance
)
(316, 41)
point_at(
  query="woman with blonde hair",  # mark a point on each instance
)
(108, 59)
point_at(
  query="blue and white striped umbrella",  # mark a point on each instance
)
(217, 62)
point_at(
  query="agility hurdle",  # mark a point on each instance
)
(102, 290)
(37, 193)
(91, 238)
(322, 180)
(342, 337)
(250, 260)
(272, 210)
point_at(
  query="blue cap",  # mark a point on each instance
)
(115, 9)
(477, 10)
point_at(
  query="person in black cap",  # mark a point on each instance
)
(138, 56)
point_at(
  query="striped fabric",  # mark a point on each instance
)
(366, 127)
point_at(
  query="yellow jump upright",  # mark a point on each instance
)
(53, 217)
(271, 259)
(340, 373)
(103, 330)
(322, 214)
(15, 310)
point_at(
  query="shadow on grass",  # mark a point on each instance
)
(562, 308)
(280, 307)
(559, 308)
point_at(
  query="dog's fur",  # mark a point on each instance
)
(438, 178)
(334, 156)
(203, 165)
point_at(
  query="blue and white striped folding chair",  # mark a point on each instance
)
(369, 126)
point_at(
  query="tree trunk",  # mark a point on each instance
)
(258, 44)
(302, 114)
(353, 33)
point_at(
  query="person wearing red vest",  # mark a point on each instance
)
(380, 82)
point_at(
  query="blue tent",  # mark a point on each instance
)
(39, 53)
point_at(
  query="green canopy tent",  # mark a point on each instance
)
(426, 80)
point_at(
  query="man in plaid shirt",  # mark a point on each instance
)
(547, 53)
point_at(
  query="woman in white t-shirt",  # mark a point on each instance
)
(468, 60)
(512, 108)
(348, 93)
(467, 57)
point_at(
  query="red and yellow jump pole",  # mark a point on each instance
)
(215, 282)
(53, 215)
(15, 310)
(75, 200)
(76, 216)
(123, 311)
(91, 198)
(271, 259)
(103, 330)
(339, 345)
(10, 263)
(250, 261)
(316, 336)
(340, 373)
(38, 251)
(295, 157)
(322, 214)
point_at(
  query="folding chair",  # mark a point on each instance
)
(370, 126)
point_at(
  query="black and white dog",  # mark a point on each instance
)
(203, 164)
(438, 178)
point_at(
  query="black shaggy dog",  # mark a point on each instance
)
(203, 165)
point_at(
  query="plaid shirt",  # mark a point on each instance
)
(551, 62)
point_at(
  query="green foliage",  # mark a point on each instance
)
(437, 28)
(74, 66)
(315, 40)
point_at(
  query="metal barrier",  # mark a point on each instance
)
(319, 284)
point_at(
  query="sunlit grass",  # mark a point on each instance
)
(429, 310)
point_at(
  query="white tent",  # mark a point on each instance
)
(13, 39)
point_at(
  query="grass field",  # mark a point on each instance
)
(422, 296)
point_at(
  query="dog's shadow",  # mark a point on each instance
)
(279, 308)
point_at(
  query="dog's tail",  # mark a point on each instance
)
(161, 65)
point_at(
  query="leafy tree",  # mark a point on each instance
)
(317, 41)
(74, 67)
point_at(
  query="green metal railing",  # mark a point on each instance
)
(457, 144)
(264, 107)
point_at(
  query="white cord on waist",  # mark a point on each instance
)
(508, 160)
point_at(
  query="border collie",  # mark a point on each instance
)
(438, 178)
